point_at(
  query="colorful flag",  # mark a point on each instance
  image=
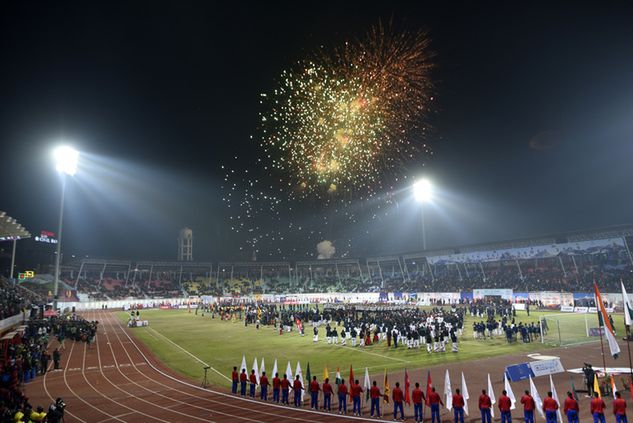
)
(262, 368)
(491, 394)
(339, 379)
(555, 396)
(367, 384)
(508, 389)
(308, 374)
(326, 374)
(256, 371)
(596, 386)
(387, 388)
(608, 329)
(573, 389)
(275, 371)
(289, 372)
(613, 389)
(243, 366)
(465, 393)
(448, 392)
(351, 380)
(429, 387)
(628, 309)
(537, 398)
(407, 388)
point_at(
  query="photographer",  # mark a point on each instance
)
(56, 411)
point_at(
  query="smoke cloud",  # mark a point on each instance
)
(325, 250)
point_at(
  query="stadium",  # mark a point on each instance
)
(295, 228)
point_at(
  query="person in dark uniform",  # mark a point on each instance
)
(57, 356)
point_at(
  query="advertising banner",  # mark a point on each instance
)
(546, 367)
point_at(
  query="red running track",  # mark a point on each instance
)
(119, 380)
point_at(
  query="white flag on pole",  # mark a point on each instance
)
(243, 366)
(491, 394)
(256, 370)
(628, 309)
(367, 384)
(465, 393)
(508, 389)
(538, 402)
(289, 373)
(555, 396)
(448, 391)
(275, 371)
(262, 368)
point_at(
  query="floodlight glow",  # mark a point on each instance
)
(66, 159)
(423, 191)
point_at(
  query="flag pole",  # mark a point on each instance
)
(628, 331)
(628, 347)
(600, 326)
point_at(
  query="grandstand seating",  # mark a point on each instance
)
(546, 264)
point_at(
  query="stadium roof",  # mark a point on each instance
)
(10, 229)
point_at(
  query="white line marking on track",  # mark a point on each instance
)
(196, 358)
(133, 342)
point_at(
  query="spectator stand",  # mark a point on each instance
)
(329, 275)
(244, 278)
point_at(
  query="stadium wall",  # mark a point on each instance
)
(555, 300)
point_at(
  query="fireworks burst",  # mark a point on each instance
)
(336, 132)
(339, 123)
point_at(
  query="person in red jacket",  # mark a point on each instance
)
(327, 395)
(484, 407)
(397, 396)
(235, 378)
(342, 398)
(619, 409)
(355, 391)
(263, 383)
(458, 406)
(243, 379)
(314, 393)
(297, 387)
(253, 379)
(285, 390)
(418, 403)
(570, 408)
(276, 388)
(374, 394)
(528, 407)
(597, 408)
(434, 402)
(505, 405)
(550, 406)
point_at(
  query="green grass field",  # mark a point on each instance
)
(221, 344)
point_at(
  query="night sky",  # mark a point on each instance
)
(532, 127)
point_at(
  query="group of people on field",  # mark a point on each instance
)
(321, 394)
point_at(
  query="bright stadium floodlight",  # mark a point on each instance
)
(66, 159)
(423, 191)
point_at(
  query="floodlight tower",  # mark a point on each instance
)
(423, 193)
(66, 159)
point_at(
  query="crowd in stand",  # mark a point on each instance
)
(13, 300)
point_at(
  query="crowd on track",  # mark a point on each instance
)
(30, 352)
